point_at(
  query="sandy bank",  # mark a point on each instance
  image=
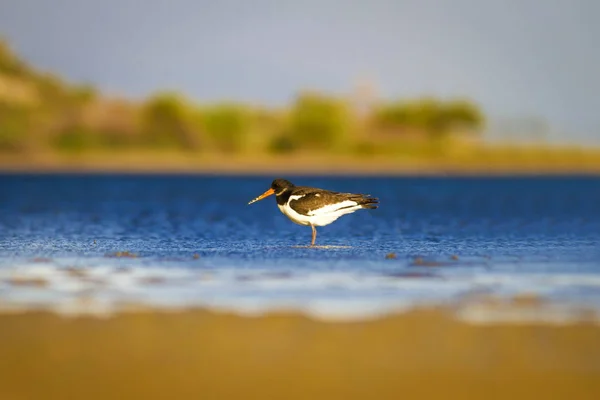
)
(204, 355)
(141, 162)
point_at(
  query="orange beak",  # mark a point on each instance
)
(262, 196)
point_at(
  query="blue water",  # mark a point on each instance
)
(204, 246)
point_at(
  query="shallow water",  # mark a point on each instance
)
(194, 241)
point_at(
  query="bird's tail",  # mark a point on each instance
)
(366, 201)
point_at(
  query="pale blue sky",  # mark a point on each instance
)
(514, 57)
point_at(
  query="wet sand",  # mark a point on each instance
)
(205, 355)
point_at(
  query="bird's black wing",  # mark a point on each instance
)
(313, 198)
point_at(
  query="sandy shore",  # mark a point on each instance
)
(244, 164)
(203, 355)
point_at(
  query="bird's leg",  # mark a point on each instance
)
(314, 235)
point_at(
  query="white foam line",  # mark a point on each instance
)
(321, 295)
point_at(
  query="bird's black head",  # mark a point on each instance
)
(280, 185)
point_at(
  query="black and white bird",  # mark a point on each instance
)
(315, 207)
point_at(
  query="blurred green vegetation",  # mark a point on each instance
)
(226, 126)
(39, 112)
(318, 122)
(167, 121)
(429, 116)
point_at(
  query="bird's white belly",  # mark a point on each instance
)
(293, 215)
(319, 217)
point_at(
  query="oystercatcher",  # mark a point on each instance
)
(315, 207)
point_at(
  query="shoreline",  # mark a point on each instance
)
(248, 165)
(203, 354)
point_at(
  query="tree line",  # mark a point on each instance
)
(40, 111)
